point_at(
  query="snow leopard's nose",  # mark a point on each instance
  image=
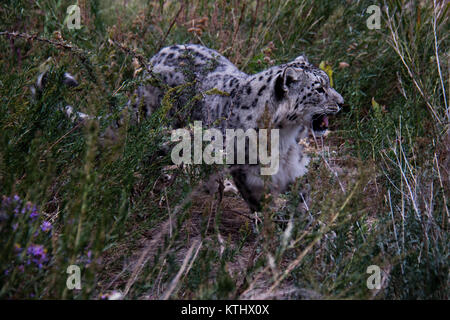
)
(337, 99)
(334, 109)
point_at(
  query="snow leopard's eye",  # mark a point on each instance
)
(320, 90)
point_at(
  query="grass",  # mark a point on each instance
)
(80, 194)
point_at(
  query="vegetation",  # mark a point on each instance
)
(77, 194)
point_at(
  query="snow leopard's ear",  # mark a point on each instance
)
(288, 76)
(302, 58)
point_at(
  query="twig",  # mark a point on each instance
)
(62, 137)
(242, 214)
(133, 53)
(168, 210)
(175, 280)
(321, 232)
(160, 44)
(395, 44)
(154, 242)
(142, 61)
(144, 257)
(264, 33)
(82, 54)
(328, 165)
(438, 63)
(62, 44)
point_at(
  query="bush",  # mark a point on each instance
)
(79, 194)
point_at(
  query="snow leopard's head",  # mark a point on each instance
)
(304, 96)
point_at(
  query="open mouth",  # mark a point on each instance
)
(319, 123)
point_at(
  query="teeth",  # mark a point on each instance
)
(325, 121)
(320, 122)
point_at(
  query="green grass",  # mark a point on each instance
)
(378, 185)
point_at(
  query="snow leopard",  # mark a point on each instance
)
(296, 95)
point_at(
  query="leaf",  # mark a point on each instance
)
(327, 68)
(377, 109)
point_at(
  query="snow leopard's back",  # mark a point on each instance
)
(177, 63)
(204, 69)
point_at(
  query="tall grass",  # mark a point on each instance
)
(111, 203)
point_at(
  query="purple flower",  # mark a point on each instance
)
(46, 226)
(34, 213)
(16, 205)
(89, 257)
(6, 201)
(36, 250)
(38, 253)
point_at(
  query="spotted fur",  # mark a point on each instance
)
(294, 93)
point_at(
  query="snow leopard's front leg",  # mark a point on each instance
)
(249, 183)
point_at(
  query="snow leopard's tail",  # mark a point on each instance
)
(67, 80)
(75, 116)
